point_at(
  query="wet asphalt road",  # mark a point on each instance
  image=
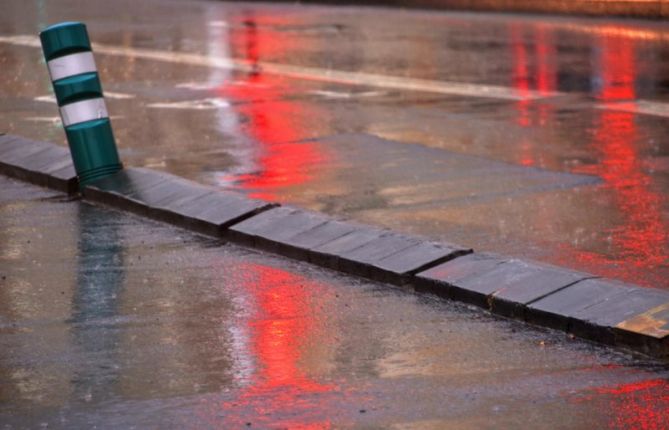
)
(111, 321)
(533, 136)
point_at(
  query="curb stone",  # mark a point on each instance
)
(602, 310)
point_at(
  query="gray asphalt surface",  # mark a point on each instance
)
(111, 321)
(532, 136)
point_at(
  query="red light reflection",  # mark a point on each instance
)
(640, 237)
(285, 343)
(639, 405)
(543, 78)
(283, 325)
(274, 121)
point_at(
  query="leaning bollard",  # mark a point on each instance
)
(75, 80)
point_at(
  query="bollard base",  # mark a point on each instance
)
(92, 175)
(93, 150)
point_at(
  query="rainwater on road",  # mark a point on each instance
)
(534, 136)
(111, 321)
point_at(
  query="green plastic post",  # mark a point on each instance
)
(67, 50)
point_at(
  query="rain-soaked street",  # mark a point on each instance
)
(111, 321)
(537, 137)
(533, 136)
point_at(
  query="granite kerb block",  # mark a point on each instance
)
(445, 279)
(559, 310)
(647, 331)
(330, 254)
(602, 319)
(272, 229)
(517, 283)
(175, 200)
(39, 163)
(125, 189)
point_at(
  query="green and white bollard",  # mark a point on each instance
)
(75, 80)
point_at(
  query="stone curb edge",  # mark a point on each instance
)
(581, 304)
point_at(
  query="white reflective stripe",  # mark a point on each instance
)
(70, 65)
(85, 110)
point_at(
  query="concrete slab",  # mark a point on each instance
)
(322, 234)
(518, 282)
(296, 222)
(172, 199)
(647, 332)
(213, 213)
(623, 307)
(124, 189)
(40, 163)
(597, 321)
(247, 231)
(443, 280)
(558, 309)
(415, 258)
(329, 254)
(359, 261)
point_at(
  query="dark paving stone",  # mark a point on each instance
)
(299, 246)
(515, 283)
(622, 307)
(646, 332)
(322, 234)
(5, 139)
(360, 260)
(444, 279)
(329, 254)
(418, 257)
(20, 151)
(294, 223)
(169, 189)
(40, 163)
(173, 199)
(558, 309)
(214, 213)
(276, 225)
(124, 189)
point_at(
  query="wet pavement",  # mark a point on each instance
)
(108, 320)
(531, 136)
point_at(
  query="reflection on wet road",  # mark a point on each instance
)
(280, 101)
(111, 321)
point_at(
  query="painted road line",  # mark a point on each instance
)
(348, 95)
(310, 73)
(203, 104)
(645, 107)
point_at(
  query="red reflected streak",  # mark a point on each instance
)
(545, 80)
(640, 237)
(640, 405)
(273, 121)
(283, 325)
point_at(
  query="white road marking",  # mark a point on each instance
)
(47, 99)
(645, 107)
(309, 73)
(52, 119)
(203, 104)
(347, 95)
(118, 96)
(198, 86)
